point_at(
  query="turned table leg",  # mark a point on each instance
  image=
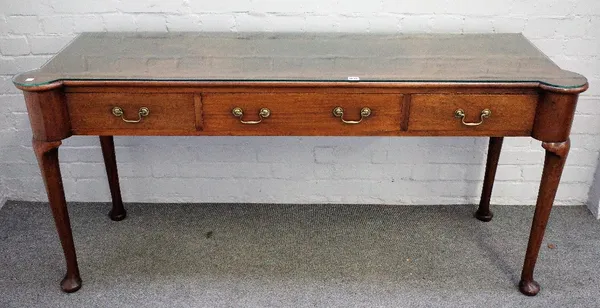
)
(483, 213)
(47, 156)
(117, 212)
(556, 154)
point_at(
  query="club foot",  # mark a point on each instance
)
(484, 215)
(529, 287)
(117, 216)
(71, 284)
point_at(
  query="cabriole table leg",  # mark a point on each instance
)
(117, 212)
(556, 155)
(47, 156)
(483, 213)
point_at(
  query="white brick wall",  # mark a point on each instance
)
(594, 195)
(3, 194)
(294, 169)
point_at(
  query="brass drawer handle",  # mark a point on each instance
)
(143, 112)
(459, 113)
(339, 112)
(263, 114)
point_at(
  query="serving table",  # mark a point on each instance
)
(300, 84)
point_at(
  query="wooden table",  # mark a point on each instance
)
(274, 84)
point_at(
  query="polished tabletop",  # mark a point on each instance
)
(289, 57)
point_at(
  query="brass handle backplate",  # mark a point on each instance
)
(339, 112)
(143, 112)
(459, 113)
(262, 114)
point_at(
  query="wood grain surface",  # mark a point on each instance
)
(172, 111)
(302, 113)
(435, 112)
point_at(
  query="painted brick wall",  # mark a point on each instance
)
(594, 196)
(288, 169)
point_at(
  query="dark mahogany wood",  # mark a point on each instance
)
(117, 212)
(93, 110)
(435, 112)
(47, 156)
(554, 116)
(548, 118)
(556, 155)
(302, 114)
(483, 213)
(544, 113)
(535, 99)
(48, 114)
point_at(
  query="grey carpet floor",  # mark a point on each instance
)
(263, 255)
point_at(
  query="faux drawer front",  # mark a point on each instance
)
(166, 112)
(302, 114)
(438, 112)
